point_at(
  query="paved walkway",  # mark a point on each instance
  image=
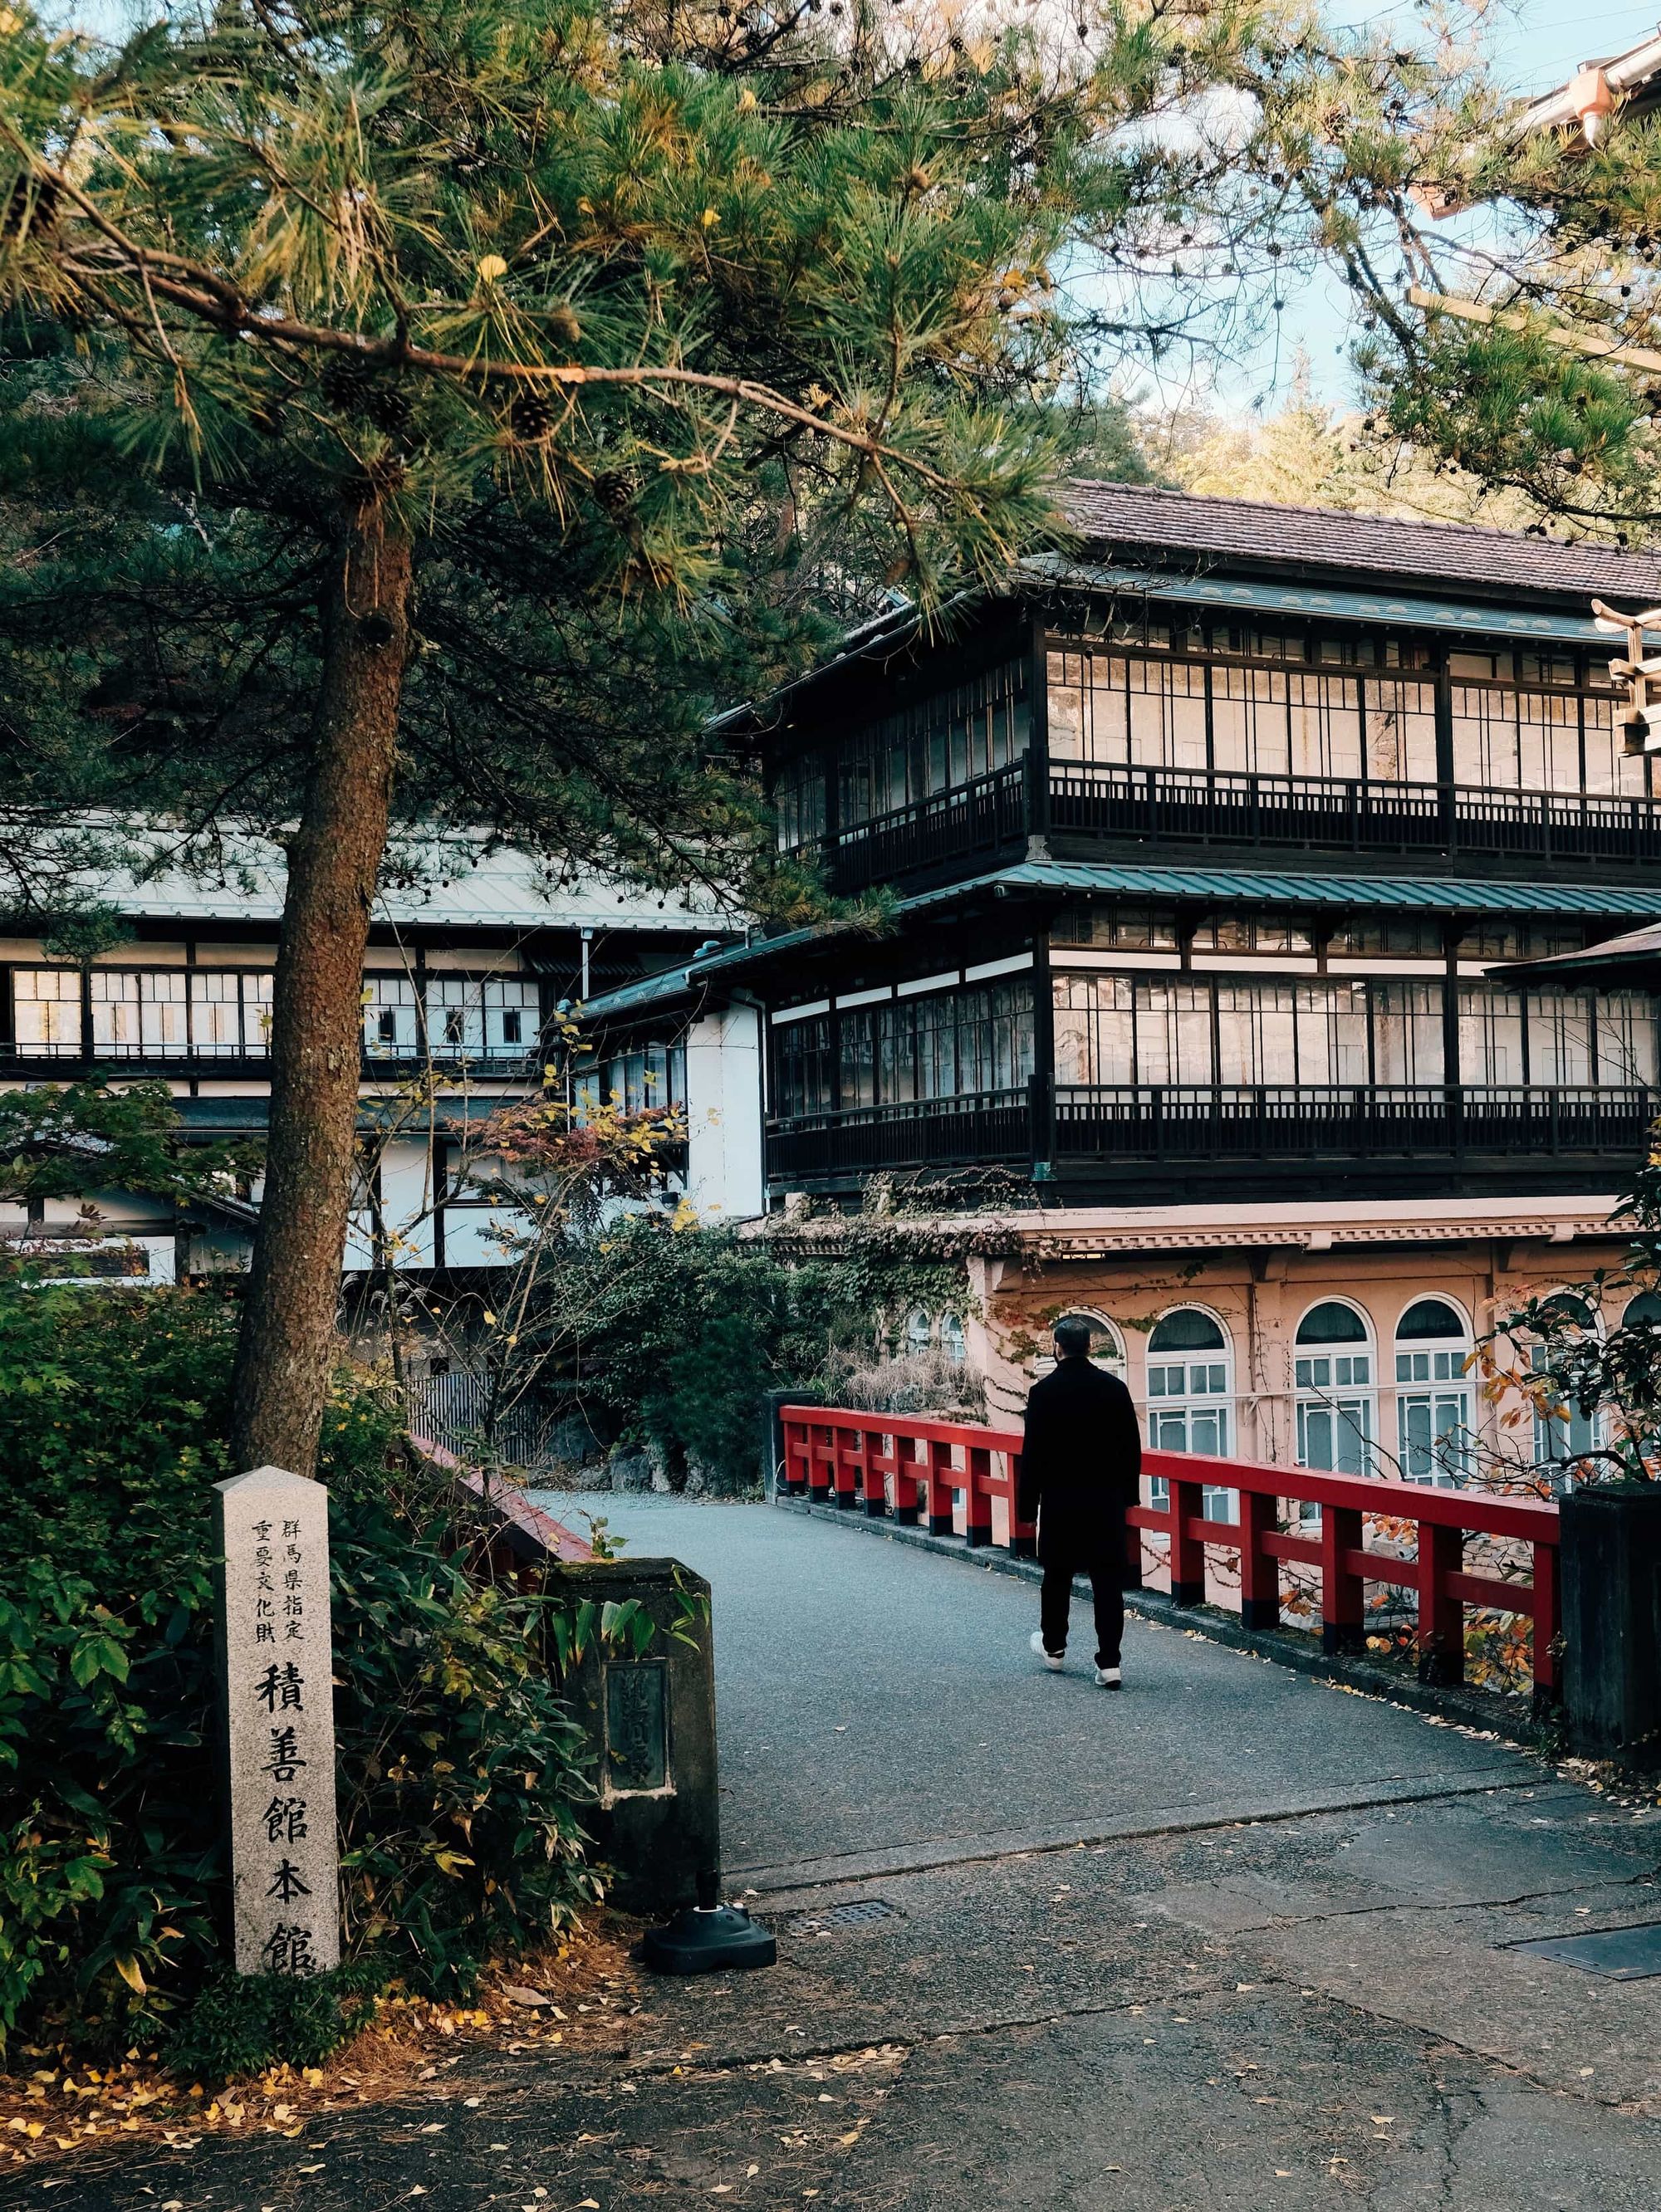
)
(1234, 1939)
(879, 1707)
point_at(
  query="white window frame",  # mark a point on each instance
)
(1193, 1407)
(1442, 1392)
(1337, 1396)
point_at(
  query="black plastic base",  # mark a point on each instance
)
(714, 1940)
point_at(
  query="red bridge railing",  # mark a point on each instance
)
(918, 1470)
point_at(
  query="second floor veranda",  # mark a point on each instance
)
(1217, 739)
(1181, 1083)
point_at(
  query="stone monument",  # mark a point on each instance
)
(276, 1668)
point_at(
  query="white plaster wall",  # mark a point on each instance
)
(406, 1197)
(724, 1114)
(473, 1235)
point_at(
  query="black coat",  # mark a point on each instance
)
(1081, 1461)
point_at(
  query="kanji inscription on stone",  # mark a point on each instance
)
(277, 1666)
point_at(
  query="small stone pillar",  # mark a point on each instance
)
(647, 1708)
(774, 1468)
(275, 1672)
(1611, 1569)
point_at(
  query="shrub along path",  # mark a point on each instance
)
(1232, 1938)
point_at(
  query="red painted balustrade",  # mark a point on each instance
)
(915, 1471)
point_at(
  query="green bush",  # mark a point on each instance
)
(459, 1769)
(239, 2023)
(673, 1334)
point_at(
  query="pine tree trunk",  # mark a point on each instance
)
(287, 1344)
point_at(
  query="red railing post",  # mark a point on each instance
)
(940, 1486)
(1023, 1534)
(1441, 1614)
(1187, 1552)
(797, 1459)
(910, 1455)
(845, 1465)
(977, 1501)
(875, 1483)
(821, 1447)
(1260, 1573)
(1342, 1599)
(1547, 1627)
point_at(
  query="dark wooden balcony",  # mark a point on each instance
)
(1197, 807)
(980, 1126)
(1084, 1133)
(981, 820)
(75, 1063)
(1313, 1121)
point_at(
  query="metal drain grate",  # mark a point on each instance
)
(859, 1914)
(1620, 1954)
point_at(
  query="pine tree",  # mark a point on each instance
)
(1413, 172)
(423, 390)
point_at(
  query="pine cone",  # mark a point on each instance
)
(346, 383)
(531, 417)
(387, 406)
(32, 201)
(615, 493)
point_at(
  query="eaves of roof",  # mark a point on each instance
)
(1243, 886)
(1635, 957)
(1401, 609)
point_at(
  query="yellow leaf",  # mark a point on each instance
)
(708, 219)
(128, 1970)
(492, 267)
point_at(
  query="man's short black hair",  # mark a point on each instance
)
(1073, 1337)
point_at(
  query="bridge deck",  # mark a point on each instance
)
(879, 1709)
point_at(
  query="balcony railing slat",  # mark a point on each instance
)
(1261, 1122)
(1235, 807)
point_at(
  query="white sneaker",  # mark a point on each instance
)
(1108, 1678)
(1054, 1660)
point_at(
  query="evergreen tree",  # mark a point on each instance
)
(1414, 173)
(426, 407)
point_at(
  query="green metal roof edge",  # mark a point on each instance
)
(1280, 888)
(1295, 599)
(1269, 886)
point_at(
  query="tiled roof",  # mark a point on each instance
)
(1224, 530)
(1636, 954)
(445, 878)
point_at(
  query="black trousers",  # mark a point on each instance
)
(1105, 1567)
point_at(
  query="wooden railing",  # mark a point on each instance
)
(1225, 807)
(936, 1473)
(1075, 1123)
(1349, 814)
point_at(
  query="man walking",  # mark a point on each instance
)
(1081, 1464)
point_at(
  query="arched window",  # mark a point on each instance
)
(1190, 1384)
(1644, 1310)
(1106, 1345)
(1563, 1438)
(953, 1343)
(1333, 1371)
(1433, 1397)
(919, 1331)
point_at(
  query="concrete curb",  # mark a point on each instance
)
(1284, 1647)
